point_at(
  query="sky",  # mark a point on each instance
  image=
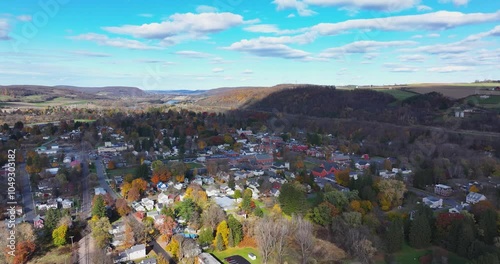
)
(166, 44)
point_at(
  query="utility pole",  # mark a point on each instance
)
(71, 241)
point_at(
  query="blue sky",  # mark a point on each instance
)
(221, 43)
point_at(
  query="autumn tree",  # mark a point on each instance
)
(100, 230)
(122, 207)
(59, 235)
(173, 248)
(128, 240)
(111, 165)
(133, 194)
(391, 193)
(166, 227)
(343, 177)
(223, 232)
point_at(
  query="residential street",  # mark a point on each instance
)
(27, 195)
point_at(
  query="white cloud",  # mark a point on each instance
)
(456, 2)
(271, 28)
(90, 53)
(4, 29)
(417, 37)
(291, 15)
(181, 24)
(24, 18)
(412, 58)
(430, 21)
(145, 15)
(217, 70)
(247, 71)
(114, 42)
(447, 69)
(404, 69)
(268, 47)
(379, 5)
(193, 54)
(433, 35)
(423, 8)
(494, 32)
(300, 6)
(363, 46)
(206, 9)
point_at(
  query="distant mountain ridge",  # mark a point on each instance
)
(41, 93)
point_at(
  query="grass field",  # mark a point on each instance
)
(193, 165)
(237, 251)
(60, 255)
(262, 206)
(492, 102)
(412, 255)
(84, 120)
(399, 94)
(121, 171)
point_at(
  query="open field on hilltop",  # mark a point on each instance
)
(398, 93)
(454, 91)
(491, 102)
(412, 255)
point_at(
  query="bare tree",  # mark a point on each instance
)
(282, 230)
(304, 237)
(265, 236)
(213, 215)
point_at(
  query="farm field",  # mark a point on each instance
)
(454, 91)
(399, 94)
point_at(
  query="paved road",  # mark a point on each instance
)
(99, 166)
(28, 203)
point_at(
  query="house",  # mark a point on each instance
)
(161, 186)
(443, 190)
(212, 191)
(362, 165)
(165, 199)
(52, 204)
(225, 203)
(206, 258)
(433, 202)
(99, 191)
(325, 169)
(341, 158)
(38, 222)
(148, 261)
(264, 161)
(66, 204)
(148, 203)
(387, 174)
(117, 228)
(473, 198)
(133, 253)
(52, 171)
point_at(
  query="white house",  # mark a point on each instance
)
(225, 203)
(433, 202)
(133, 253)
(473, 198)
(212, 191)
(66, 204)
(148, 203)
(164, 199)
(100, 191)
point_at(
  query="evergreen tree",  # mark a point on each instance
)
(219, 244)
(236, 228)
(488, 226)
(247, 200)
(395, 236)
(420, 232)
(230, 239)
(231, 184)
(98, 208)
(51, 220)
(142, 172)
(291, 199)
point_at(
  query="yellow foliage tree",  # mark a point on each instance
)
(473, 188)
(125, 188)
(173, 248)
(223, 230)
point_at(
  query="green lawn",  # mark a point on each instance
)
(121, 171)
(84, 120)
(262, 206)
(412, 255)
(237, 251)
(310, 165)
(194, 165)
(399, 94)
